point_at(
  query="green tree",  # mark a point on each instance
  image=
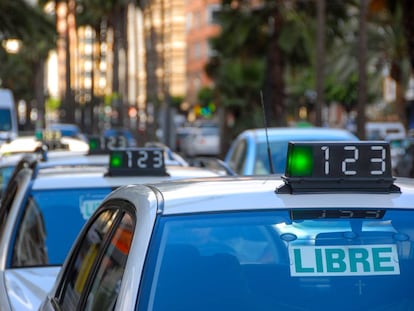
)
(397, 20)
(24, 72)
(18, 19)
(273, 43)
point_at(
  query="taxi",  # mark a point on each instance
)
(46, 204)
(26, 144)
(55, 153)
(335, 232)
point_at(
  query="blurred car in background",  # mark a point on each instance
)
(404, 162)
(383, 130)
(46, 204)
(201, 141)
(181, 133)
(248, 153)
(8, 116)
(24, 144)
(67, 130)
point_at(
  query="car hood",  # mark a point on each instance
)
(27, 287)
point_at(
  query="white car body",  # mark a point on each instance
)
(311, 229)
(24, 287)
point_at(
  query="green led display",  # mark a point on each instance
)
(93, 144)
(300, 161)
(116, 160)
(137, 162)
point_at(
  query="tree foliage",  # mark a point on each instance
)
(23, 72)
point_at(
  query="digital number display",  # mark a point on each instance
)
(338, 160)
(101, 144)
(137, 161)
(361, 166)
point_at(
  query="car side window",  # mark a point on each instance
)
(30, 247)
(82, 262)
(238, 158)
(107, 281)
(6, 202)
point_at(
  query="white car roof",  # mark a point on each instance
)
(296, 133)
(30, 143)
(87, 177)
(247, 193)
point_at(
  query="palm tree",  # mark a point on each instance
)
(20, 20)
(114, 12)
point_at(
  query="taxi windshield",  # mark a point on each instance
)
(50, 222)
(267, 261)
(279, 151)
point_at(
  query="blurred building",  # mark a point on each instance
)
(176, 34)
(201, 25)
(164, 37)
(167, 49)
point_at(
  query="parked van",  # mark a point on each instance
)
(8, 116)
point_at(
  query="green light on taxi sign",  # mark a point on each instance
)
(93, 144)
(116, 160)
(300, 161)
(137, 162)
(322, 166)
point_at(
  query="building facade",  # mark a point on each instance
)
(201, 25)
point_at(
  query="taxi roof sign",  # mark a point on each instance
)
(137, 162)
(51, 139)
(357, 166)
(103, 145)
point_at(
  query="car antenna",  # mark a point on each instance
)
(269, 152)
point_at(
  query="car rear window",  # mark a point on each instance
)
(50, 222)
(341, 260)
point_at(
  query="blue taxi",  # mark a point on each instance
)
(335, 232)
(47, 203)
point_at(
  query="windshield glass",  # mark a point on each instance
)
(50, 222)
(278, 151)
(5, 120)
(266, 261)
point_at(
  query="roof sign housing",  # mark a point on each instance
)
(337, 166)
(103, 145)
(137, 162)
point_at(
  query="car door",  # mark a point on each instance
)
(93, 273)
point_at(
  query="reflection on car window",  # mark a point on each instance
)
(82, 263)
(278, 152)
(106, 283)
(64, 213)
(265, 260)
(30, 247)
